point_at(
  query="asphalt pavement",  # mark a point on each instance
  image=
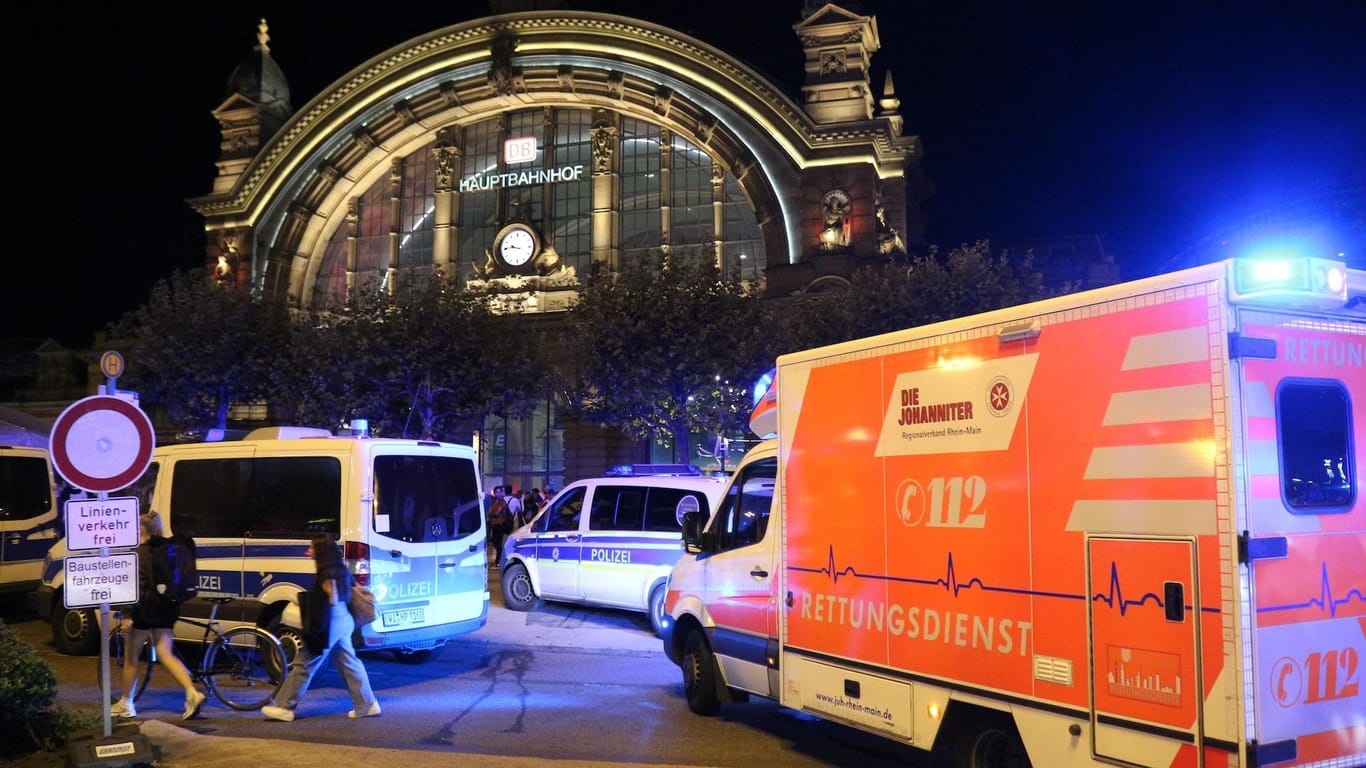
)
(177, 747)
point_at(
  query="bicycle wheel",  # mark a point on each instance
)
(242, 667)
(116, 662)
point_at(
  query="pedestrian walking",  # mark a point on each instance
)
(151, 620)
(328, 625)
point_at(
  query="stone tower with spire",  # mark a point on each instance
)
(255, 107)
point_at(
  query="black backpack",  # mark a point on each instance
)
(175, 571)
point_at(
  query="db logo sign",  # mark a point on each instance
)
(522, 150)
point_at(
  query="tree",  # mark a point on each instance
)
(423, 362)
(903, 294)
(666, 346)
(198, 346)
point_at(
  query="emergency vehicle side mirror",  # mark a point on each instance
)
(693, 522)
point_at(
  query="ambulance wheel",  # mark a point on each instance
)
(991, 743)
(75, 631)
(657, 609)
(518, 594)
(699, 675)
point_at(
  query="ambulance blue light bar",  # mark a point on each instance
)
(1294, 278)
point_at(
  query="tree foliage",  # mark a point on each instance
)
(925, 289)
(424, 362)
(199, 346)
(664, 347)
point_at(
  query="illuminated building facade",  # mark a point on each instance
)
(515, 151)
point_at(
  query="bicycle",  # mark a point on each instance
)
(243, 666)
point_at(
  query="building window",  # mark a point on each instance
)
(478, 221)
(743, 250)
(641, 223)
(417, 204)
(372, 241)
(690, 210)
(329, 288)
(572, 201)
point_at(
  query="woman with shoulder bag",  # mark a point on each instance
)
(328, 625)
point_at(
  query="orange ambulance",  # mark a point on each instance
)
(1118, 527)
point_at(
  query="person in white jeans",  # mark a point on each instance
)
(333, 581)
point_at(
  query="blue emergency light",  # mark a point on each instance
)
(1304, 277)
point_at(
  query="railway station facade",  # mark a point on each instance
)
(513, 152)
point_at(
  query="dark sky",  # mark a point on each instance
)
(1154, 125)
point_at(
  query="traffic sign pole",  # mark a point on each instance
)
(101, 444)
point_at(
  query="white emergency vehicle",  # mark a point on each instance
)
(607, 541)
(30, 522)
(406, 513)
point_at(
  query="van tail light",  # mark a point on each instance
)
(357, 553)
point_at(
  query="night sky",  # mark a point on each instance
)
(1155, 125)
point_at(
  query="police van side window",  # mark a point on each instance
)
(25, 487)
(743, 519)
(271, 497)
(426, 498)
(617, 508)
(1318, 465)
(661, 509)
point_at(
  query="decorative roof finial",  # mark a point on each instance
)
(889, 102)
(262, 37)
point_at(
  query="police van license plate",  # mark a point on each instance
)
(405, 616)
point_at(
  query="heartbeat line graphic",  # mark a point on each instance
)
(1325, 600)
(1115, 598)
(950, 583)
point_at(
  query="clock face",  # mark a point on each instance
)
(517, 247)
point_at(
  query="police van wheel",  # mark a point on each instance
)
(291, 640)
(75, 631)
(518, 594)
(699, 675)
(657, 609)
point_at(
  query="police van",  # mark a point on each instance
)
(609, 541)
(406, 513)
(29, 519)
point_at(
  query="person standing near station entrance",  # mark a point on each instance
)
(516, 510)
(499, 518)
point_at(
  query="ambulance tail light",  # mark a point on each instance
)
(1293, 280)
(357, 553)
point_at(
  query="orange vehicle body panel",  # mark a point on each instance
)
(958, 507)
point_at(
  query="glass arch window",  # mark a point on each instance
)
(657, 171)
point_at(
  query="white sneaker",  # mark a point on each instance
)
(193, 701)
(273, 712)
(369, 711)
(123, 708)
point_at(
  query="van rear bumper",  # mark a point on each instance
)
(422, 637)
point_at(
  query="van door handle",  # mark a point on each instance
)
(571, 538)
(759, 572)
(445, 565)
(474, 547)
(396, 554)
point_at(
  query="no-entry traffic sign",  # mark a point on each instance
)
(102, 443)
